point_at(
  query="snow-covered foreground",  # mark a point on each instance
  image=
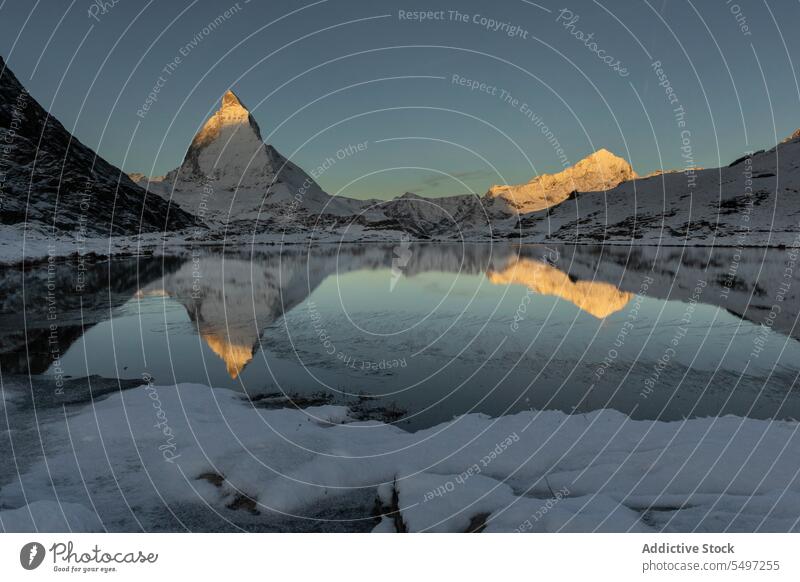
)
(191, 457)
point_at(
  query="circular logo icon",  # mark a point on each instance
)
(31, 555)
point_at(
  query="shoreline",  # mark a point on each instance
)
(178, 247)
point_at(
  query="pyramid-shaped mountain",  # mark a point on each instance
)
(230, 174)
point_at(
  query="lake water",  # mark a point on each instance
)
(427, 331)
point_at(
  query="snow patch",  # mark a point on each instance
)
(598, 471)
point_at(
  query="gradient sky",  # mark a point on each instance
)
(318, 76)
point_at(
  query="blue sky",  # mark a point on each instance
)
(319, 76)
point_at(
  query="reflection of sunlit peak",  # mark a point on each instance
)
(594, 297)
(235, 356)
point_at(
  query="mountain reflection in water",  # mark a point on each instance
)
(494, 328)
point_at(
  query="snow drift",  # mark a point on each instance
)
(187, 456)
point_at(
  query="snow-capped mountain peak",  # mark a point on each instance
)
(233, 108)
(601, 170)
(794, 136)
(230, 174)
(227, 151)
(232, 115)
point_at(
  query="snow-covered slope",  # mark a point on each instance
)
(448, 216)
(229, 175)
(224, 463)
(51, 180)
(753, 202)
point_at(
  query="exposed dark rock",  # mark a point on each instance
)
(53, 180)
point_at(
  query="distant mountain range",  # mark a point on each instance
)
(753, 202)
(52, 181)
(229, 176)
(234, 185)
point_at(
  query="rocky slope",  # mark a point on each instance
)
(494, 214)
(50, 180)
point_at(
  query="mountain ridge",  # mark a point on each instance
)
(598, 199)
(230, 174)
(271, 192)
(53, 180)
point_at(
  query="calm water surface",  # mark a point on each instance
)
(433, 331)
